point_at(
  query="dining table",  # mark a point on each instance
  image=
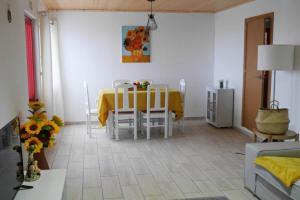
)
(106, 102)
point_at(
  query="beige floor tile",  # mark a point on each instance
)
(132, 192)
(155, 198)
(121, 159)
(111, 187)
(148, 185)
(91, 177)
(171, 191)
(139, 166)
(126, 175)
(92, 193)
(75, 170)
(91, 161)
(193, 172)
(207, 188)
(107, 168)
(185, 184)
(73, 189)
(236, 183)
(160, 173)
(218, 180)
(76, 156)
(91, 149)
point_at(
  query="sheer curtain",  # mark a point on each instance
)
(58, 107)
(52, 83)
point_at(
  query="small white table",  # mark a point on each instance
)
(50, 186)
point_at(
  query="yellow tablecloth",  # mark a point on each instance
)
(107, 98)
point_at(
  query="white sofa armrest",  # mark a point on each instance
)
(255, 149)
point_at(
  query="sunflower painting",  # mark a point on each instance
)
(135, 44)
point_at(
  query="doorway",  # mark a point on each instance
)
(257, 84)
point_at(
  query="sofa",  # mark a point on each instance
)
(259, 181)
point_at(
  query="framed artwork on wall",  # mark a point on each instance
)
(135, 44)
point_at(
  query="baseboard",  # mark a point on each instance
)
(75, 123)
(194, 118)
(244, 131)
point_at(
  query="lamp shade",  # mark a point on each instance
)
(275, 57)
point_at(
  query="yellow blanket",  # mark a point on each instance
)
(286, 169)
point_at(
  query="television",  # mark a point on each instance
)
(11, 162)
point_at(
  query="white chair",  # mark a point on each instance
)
(125, 115)
(182, 90)
(156, 113)
(120, 81)
(89, 112)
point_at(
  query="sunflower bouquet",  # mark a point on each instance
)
(36, 133)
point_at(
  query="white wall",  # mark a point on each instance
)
(90, 46)
(13, 68)
(229, 51)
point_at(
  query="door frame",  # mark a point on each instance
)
(269, 76)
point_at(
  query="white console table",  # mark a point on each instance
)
(50, 186)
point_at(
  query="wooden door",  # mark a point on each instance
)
(256, 94)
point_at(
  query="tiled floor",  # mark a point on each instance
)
(203, 161)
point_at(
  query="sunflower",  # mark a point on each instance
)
(32, 127)
(58, 121)
(38, 116)
(36, 105)
(50, 126)
(23, 134)
(33, 145)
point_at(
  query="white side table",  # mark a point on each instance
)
(50, 186)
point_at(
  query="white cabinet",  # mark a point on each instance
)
(50, 186)
(219, 107)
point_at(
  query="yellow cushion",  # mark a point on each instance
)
(286, 169)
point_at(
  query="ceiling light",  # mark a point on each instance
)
(151, 24)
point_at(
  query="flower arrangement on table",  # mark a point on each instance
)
(141, 86)
(37, 133)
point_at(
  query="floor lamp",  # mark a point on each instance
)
(275, 58)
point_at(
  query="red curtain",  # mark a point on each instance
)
(30, 59)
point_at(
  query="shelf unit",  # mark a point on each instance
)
(219, 107)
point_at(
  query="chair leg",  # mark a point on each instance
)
(148, 128)
(106, 126)
(166, 126)
(135, 128)
(116, 129)
(170, 124)
(182, 125)
(111, 125)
